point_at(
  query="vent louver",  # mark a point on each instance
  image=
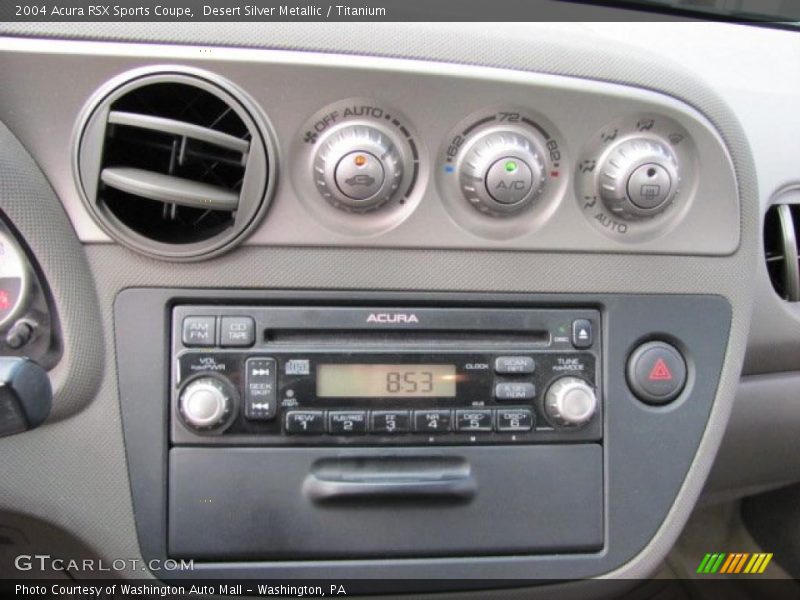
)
(781, 236)
(173, 165)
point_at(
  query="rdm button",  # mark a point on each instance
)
(656, 372)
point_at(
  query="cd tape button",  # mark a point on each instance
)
(478, 419)
(390, 421)
(515, 391)
(514, 365)
(348, 422)
(305, 421)
(432, 421)
(237, 332)
(514, 419)
(260, 391)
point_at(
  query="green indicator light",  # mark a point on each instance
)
(511, 166)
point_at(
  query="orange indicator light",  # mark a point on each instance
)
(360, 160)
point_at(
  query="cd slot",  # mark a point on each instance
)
(415, 337)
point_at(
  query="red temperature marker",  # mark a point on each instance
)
(660, 371)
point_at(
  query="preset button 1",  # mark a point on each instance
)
(305, 421)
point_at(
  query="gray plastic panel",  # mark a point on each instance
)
(648, 450)
(89, 447)
(760, 446)
(290, 88)
(250, 503)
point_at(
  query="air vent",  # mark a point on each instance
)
(174, 165)
(781, 235)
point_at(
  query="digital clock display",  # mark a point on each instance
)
(386, 381)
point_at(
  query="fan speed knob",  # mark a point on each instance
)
(358, 168)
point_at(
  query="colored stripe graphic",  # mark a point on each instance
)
(713, 567)
(703, 563)
(734, 563)
(767, 558)
(740, 563)
(754, 562)
(727, 564)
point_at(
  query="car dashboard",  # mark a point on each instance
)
(438, 304)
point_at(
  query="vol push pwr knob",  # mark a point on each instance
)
(206, 403)
(502, 172)
(638, 178)
(358, 169)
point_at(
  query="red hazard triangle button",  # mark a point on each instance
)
(660, 371)
(657, 372)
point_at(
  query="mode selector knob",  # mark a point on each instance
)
(639, 177)
(502, 172)
(206, 403)
(570, 402)
(358, 168)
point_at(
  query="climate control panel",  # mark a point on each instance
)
(443, 158)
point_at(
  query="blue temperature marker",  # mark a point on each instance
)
(449, 168)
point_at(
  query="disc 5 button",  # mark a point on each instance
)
(656, 372)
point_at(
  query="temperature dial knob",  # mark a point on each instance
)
(639, 178)
(358, 168)
(502, 172)
(570, 402)
(206, 403)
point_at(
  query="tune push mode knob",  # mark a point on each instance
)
(570, 402)
(206, 403)
(358, 169)
(638, 178)
(502, 172)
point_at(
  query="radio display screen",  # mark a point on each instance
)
(386, 381)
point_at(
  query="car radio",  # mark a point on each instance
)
(314, 375)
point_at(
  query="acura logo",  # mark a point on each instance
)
(392, 318)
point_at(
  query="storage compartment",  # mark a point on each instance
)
(270, 503)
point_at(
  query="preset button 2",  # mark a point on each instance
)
(347, 422)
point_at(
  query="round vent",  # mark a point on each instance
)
(174, 165)
(781, 236)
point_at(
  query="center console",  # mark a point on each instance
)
(506, 435)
